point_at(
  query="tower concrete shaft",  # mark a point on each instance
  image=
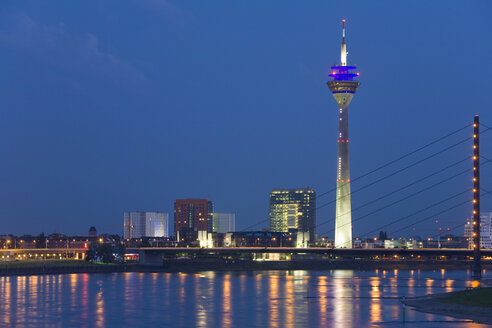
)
(343, 213)
(343, 87)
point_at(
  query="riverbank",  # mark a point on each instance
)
(474, 304)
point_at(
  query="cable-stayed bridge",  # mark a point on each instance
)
(452, 154)
(402, 179)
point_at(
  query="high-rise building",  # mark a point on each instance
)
(293, 209)
(224, 222)
(145, 224)
(485, 231)
(194, 214)
(343, 87)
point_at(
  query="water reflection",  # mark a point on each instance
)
(258, 295)
(376, 306)
(323, 300)
(338, 298)
(6, 308)
(85, 298)
(289, 301)
(273, 301)
(449, 285)
(411, 287)
(429, 283)
(342, 305)
(226, 301)
(100, 306)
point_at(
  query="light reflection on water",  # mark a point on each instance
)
(338, 298)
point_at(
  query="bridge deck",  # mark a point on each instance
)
(333, 251)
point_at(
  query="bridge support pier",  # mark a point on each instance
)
(146, 257)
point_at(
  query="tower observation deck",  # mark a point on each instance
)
(343, 85)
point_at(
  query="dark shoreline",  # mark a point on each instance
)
(432, 304)
(193, 266)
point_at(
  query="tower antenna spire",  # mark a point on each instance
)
(343, 30)
(343, 57)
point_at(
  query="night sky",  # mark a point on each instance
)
(112, 106)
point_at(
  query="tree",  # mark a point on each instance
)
(41, 241)
(105, 253)
(144, 243)
(90, 254)
(120, 251)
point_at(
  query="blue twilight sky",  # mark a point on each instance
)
(109, 106)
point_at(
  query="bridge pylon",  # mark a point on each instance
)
(477, 257)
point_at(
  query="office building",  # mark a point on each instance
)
(224, 222)
(293, 209)
(194, 214)
(485, 231)
(145, 224)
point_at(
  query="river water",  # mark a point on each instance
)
(338, 298)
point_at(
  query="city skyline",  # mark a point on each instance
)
(187, 164)
(175, 115)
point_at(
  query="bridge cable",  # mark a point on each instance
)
(397, 172)
(404, 217)
(385, 165)
(401, 157)
(409, 185)
(433, 216)
(384, 196)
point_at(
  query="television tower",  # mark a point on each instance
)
(343, 87)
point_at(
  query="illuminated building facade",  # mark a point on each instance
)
(145, 224)
(343, 87)
(485, 231)
(293, 209)
(224, 222)
(194, 214)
